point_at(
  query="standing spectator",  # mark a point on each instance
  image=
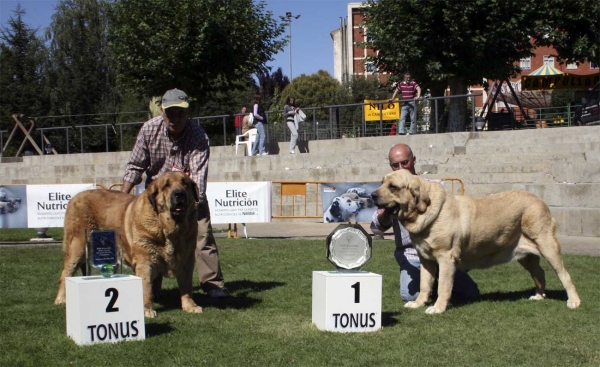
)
(289, 113)
(239, 121)
(411, 92)
(401, 157)
(172, 142)
(259, 120)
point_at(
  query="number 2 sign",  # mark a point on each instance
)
(105, 310)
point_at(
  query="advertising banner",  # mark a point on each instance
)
(562, 81)
(46, 204)
(348, 201)
(13, 206)
(388, 110)
(239, 202)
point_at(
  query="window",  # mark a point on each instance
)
(549, 60)
(526, 63)
(370, 67)
(572, 66)
(593, 65)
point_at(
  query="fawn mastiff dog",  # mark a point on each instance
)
(460, 232)
(158, 231)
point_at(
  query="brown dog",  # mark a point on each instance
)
(459, 232)
(158, 231)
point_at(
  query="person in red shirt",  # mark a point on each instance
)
(411, 92)
(239, 121)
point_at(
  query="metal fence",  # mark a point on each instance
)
(326, 122)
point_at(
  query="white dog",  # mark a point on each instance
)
(350, 203)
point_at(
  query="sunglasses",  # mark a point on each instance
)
(398, 164)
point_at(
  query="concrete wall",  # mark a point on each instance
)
(561, 165)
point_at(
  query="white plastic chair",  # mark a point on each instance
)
(251, 138)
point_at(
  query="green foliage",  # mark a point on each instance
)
(82, 77)
(361, 89)
(201, 47)
(267, 321)
(271, 85)
(573, 29)
(441, 41)
(22, 69)
(562, 97)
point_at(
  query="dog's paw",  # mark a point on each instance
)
(537, 297)
(573, 304)
(412, 304)
(193, 309)
(433, 310)
(59, 301)
(149, 313)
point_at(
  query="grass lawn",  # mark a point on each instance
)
(267, 322)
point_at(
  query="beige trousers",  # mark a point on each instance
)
(207, 254)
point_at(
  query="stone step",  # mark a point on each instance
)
(545, 136)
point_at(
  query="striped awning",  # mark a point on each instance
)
(545, 70)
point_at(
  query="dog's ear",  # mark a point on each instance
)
(152, 191)
(334, 209)
(351, 195)
(421, 197)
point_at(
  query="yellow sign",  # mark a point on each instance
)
(376, 109)
(563, 81)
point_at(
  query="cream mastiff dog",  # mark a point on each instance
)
(460, 232)
(158, 233)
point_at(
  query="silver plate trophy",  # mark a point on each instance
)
(349, 247)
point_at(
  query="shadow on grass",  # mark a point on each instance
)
(157, 329)
(519, 295)
(509, 297)
(241, 298)
(389, 318)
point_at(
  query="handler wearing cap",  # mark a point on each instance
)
(172, 142)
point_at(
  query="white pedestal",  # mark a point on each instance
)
(105, 310)
(346, 301)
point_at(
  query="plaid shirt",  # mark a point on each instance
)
(155, 154)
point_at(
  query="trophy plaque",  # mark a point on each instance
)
(349, 247)
(103, 252)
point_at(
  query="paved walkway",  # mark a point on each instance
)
(570, 244)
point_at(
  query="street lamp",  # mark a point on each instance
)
(288, 18)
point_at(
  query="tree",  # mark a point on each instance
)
(455, 43)
(573, 29)
(22, 60)
(201, 47)
(83, 78)
(271, 85)
(361, 89)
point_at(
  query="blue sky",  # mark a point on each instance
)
(312, 47)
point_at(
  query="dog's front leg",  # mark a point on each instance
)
(143, 271)
(428, 270)
(445, 284)
(184, 280)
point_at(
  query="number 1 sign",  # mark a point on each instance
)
(105, 310)
(346, 301)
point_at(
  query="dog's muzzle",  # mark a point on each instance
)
(179, 202)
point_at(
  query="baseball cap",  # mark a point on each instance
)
(175, 98)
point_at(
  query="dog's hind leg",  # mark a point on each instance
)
(550, 249)
(74, 259)
(531, 262)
